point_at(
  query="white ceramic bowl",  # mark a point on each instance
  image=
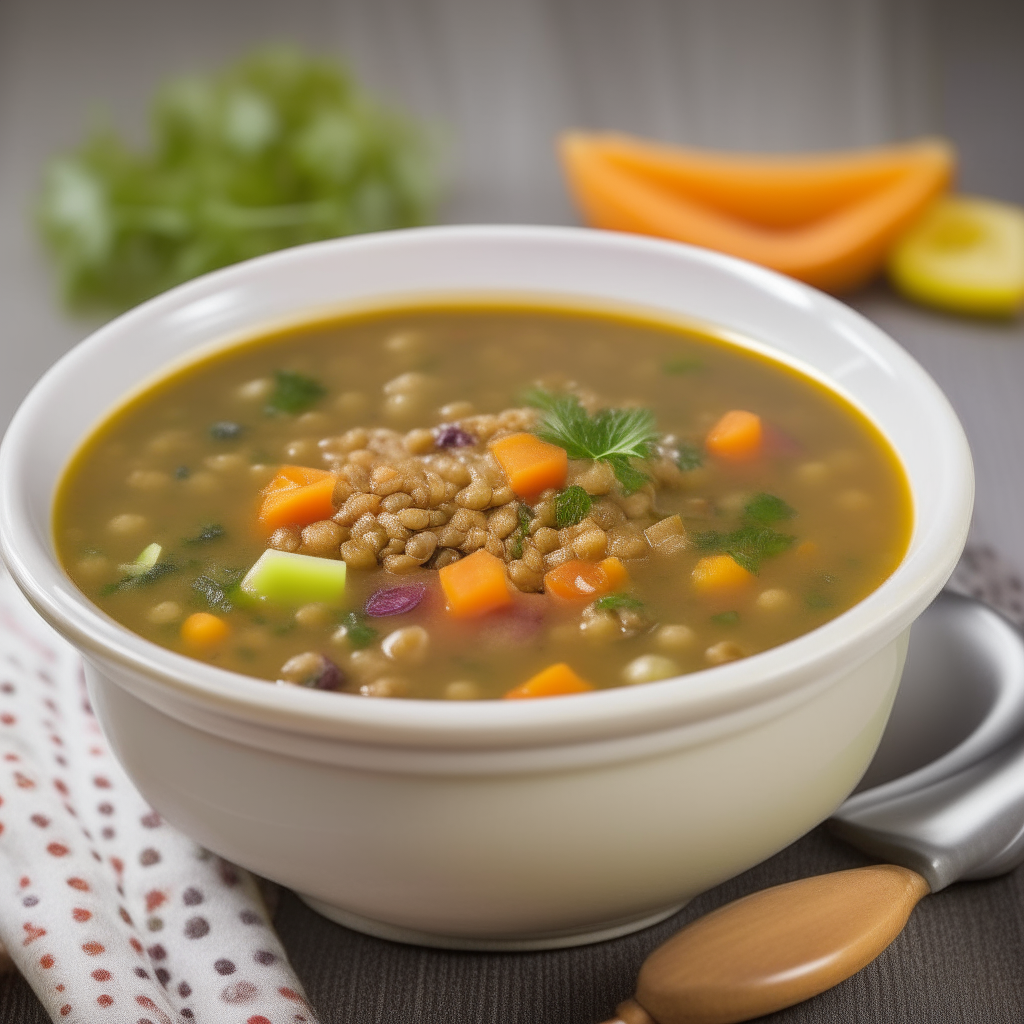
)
(498, 825)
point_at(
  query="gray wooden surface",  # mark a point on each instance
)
(498, 79)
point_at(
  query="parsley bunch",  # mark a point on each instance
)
(278, 149)
(612, 435)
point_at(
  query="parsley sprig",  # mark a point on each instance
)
(614, 436)
(754, 540)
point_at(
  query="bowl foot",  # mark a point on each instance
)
(549, 940)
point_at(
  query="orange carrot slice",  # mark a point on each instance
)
(554, 681)
(827, 219)
(531, 465)
(297, 495)
(204, 631)
(475, 585)
(720, 576)
(737, 436)
(583, 581)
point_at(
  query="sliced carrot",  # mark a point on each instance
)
(828, 219)
(475, 585)
(737, 436)
(297, 495)
(531, 465)
(583, 581)
(203, 630)
(720, 575)
(554, 681)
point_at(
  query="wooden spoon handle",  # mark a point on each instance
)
(774, 948)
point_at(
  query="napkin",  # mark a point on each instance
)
(111, 914)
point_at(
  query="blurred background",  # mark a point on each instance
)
(494, 81)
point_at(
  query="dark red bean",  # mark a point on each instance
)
(395, 600)
(448, 435)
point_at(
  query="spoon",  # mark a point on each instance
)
(942, 800)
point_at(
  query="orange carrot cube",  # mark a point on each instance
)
(554, 681)
(530, 464)
(297, 496)
(576, 580)
(203, 630)
(475, 585)
(736, 437)
(720, 575)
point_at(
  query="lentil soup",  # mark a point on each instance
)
(474, 500)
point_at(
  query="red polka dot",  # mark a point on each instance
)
(7, 718)
(290, 993)
(93, 948)
(11, 757)
(23, 781)
(79, 883)
(101, 783)
(57, 850)
(117, 864)
(65, 1009)
(60, 987)
(146, 1002)
(81, 914)
(106, 1000)
(155, 898)
(101, 975)
(47, 961)
(24, 881)
(60, 787)
(39, 819)
(32, 933)
(257, 1019)
(135, 944)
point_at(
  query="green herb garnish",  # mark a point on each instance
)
(207, 532)
(572, 506)
(748, 546)
(522, 531)
(766, 509)
(278, 149)
(150, 575)
(217, 587)
(726, 618)
(612, 435)
(613, 602)
(293, 393)
(690, 457)
(683, 365)
(358, 633)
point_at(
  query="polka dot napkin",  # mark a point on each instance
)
(111, 914)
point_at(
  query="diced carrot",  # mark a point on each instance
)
(554, 681)
(475, 585)
(737, 436)
(296, 496)
(203, 630)
(616, 573)
(531, 465)
(720, 575)
(576, 580)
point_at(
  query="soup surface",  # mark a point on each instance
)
(481, 500)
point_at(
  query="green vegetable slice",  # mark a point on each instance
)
(144, 561)
(613, 602)
(282, 577)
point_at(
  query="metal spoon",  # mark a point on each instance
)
(942, 800)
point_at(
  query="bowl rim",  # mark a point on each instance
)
(825, 651)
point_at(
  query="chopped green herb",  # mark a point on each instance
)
(293, 393)
(690, 457)
(726, 618)
(572, 506)
(358, 633)
(766, 509)
(217, 587)
(612, 435)
(613, 602)
(151, 575)
(207, 532)
(683, 365)
(522, 531)
(748, 546)
(225, 430)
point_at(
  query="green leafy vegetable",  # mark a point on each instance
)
(572, 506)
(278, 149)
(690, 457)
(522, 531)
(613, 435)
(217, 587)
(726, 618)
(151, 575)
(613, 602)
(766, 509)
(293, 393)
(358, 633)
(749, 546)
(207, 532)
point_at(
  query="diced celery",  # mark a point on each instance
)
(282, 577)
(145, 561)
